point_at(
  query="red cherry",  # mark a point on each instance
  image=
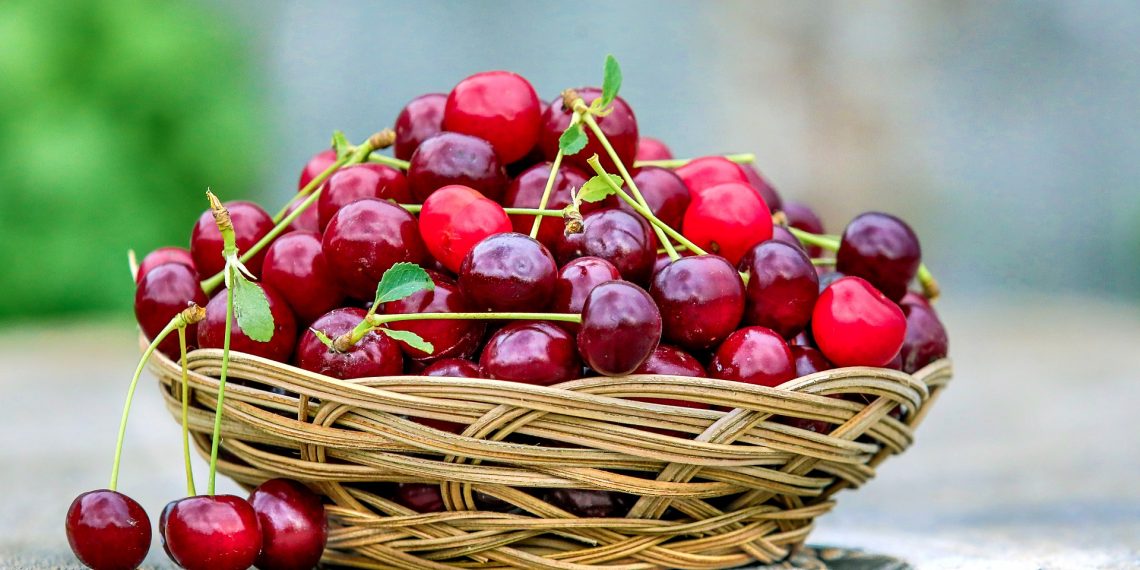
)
(450, 338)
(802, 217)
(508, 272)
(767, 192)
(809, 360)
(708, 171)
(108, 530)
(782, 288)
(421, 119)
(755, 355)
(620, 128)
(294, 529)
(359, 181)
(366, 238)
(162, 256)
(316, 165)
(620, 328)
(649, 148)
(672, 361)
(211, 332)
(856, 325)
(251, 223)
(498, 106)
(456, 158)
(374, 355)
(531, 352)
(701, 300)
(308, 221)
(213, 533)
(420, 497)
(617, 236)
(295, 266)
(575, 281)
(455, 218)
(526, 192)
(665, 193)
(453, 368)
(881, 249)
(727, 219)
(926, 339)
(162, 293)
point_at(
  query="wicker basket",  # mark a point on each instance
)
(767, 480)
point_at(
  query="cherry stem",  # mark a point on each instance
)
(133, 264)
(389, 161)
(741, 158)
(190, 489)
(826, 242)
(415, 209)
(374, 322)
(823, 261)
(554, 168)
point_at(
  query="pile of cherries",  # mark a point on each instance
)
(471, 168)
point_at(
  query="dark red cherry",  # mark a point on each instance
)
(251, 223)
(926, 339)
(531, 352)
(666, 194)
(617, 236)
(498, 106)
(456, 158)
(294, 529)
(108, 530)
(914, 298)
(162, 256)
(620, 128)
(450, 338)
(163, 293)
(453, 368)
(162, 527)
(708, 171)
(701, 300)
(316, 165)
(212, 331)
(809, 360)
(856, 325)
(295, 266)
(366, 238)
(359, 181)
(420, 497)
(649, 148)
(780, 234)
(755, 355)
(576, 279)
(881, 249)
(782, 288)
(526, 192)
(761, 185)
(620, 328)
(454, 219)
(374, 355)
(589, 503)
(672, 361)
(802, 217)
(508, 272)
(421, 119)
(213, 533)
(727, 219)
(307, 221)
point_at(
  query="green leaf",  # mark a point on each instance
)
(251, 308)
(611, 83)
(596, 189)
(401, 280)
(324, 338)
(573, 140)
(411, 339)
(341, 145)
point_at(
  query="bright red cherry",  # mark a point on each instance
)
(316, 165)
(666, 194)
(802, 217)
(211, 332)
(617, 236)
(701, 300)
(450, 338)
(531, 352)
(108, 530)
(620, 128)
(295, 266)
(755, 355)
(620, 328)
(708, 171)
(575, 281)
(782, 288)
(213, 533)
(366, 238)
(294, 529)
(926, 339)
(526, 192)
(456, 158)
(162, 256)
(649, 148)
(881, 249)
(498, 106)
(421, 119)
(420, 497)
(359, 181)
(251, 223)
(374, 355)
(455, 218)
(162, 293)
(767, 192)
(727, 219)
(856, 325)
(508, 272)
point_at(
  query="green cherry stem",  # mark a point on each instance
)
(554, 168)
(415, 209)
(825, 261)
(389, 161)
(190, 489)
(373, 322)
(741, 158)
(826, 242)
(229, 253)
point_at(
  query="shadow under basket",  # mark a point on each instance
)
(708, 488)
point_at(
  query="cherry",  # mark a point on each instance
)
(108, 530)
(926, 339)
(620, 328)
(374, 355)
(782, 288)
(308, 221)
(761, 185)
(454, 219)
(617, 236)
(421, 119)
(526, 192)
(809, 360)
(701, 300)
(420, 497)
(211, 332)
(666, 194)
(672, 361)
(294, 529)
(316, 165)
(649, 148)
(453, 368)
(708, 171)
(295, 266)
(450, 338)
(588, 503)
(162, 256)
(856, 325)
(358, 181)
(163, 293)
(620, 128)
(213, 533)
(802, 217)
(508, 272)
(780, 234)
(913, 298)
(531, 352)
(455, 158)
(881, 249)
(727, 219)
(575, 281)
(366, 238)
(251, 223)
(162, 518)
(755, 355)
(498, 106)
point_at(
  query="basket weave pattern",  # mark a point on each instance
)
(714, 489)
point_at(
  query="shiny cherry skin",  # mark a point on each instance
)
(455, 218)
(809, 360)
(108, 530)
(761, 185)
(420, 497)
(213, 533)
(728, 220)
(701, 300)
(620, 128)
(617, 236)
(780, 234)
(212, 331)
(163, 293)
(162, 518)
(508, 272)
(926, 339)
(456, 158)
(575, 281)
(672, 361)
(649, 148)
(251, 223)
(498, 106)
(755, 355)
(881, 249)
(856, 325)
(802, 217)
(366, 238)
(450, 338)
(375, 355)
(453, 368)
(782, 288)
(620, 328)
(316, 165)
(294, 529)
(531, 352)
(359, 181)
(307, 221)
(162, 256)
(666, 194)
(421, 119)
(526, 191)
(295, 266)
(708, 171)
(589, 503)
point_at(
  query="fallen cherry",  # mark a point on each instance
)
(219, 532)
(108, 530)
(294, 529)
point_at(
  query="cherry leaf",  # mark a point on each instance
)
(401, 280)
(251, 309)
(611, 82)
(573, 140)
(596, 189)
(411, 339)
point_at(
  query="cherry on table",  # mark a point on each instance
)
(162, 256)
(108, 530)
(701, 300)
(526, 191)
(925, 340)
(727, 219)
(366, 238)
(856, 325)
(295, 266)
(500, 107)
(294, 529)
(802, 217)
(211, 331)
(620, 328)
(374, 355)
(649, 148)
(755, 355)
(359, 181)
(456, 158)
(782, 288)
(508, 272)
(455, 218)
(163, 293)
(664, 192)
(449, 338)
(251, 223)
(620, 128)
(761, 185)
(421, 119)
(881, 249)
(218, 532)
(575, 281)
(617, 236)
(534, 352)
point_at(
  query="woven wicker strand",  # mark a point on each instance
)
(715, 489)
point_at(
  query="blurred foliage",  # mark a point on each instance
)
(114, 118)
